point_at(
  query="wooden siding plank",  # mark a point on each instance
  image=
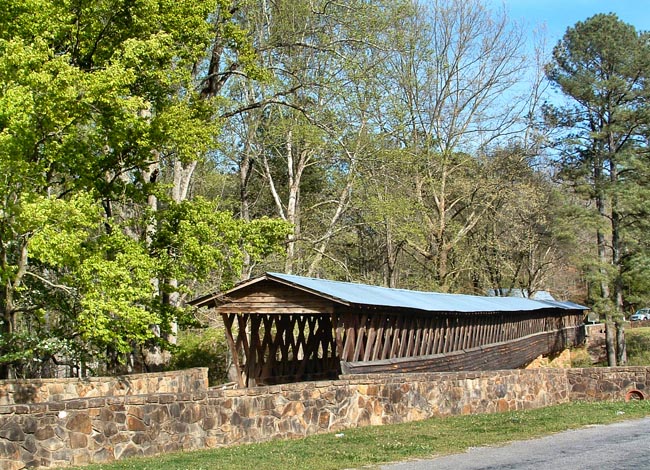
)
(397, 334)
(351, 322)
(339, 334)
(507, 355)
(418, 337)
(480, 327)
(426, 332)
(228, 323)
(256, 355)
(405, 336)
(467, 331)
(388, 336)
(359, 348)
(370, 339)
(274, 309)
(437, 331)
(379, 337)
(459, 333)
(444, 339)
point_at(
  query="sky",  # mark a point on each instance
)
(553, 17)
(558, 15)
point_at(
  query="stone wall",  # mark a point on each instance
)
(596, 343)
(45, 390)
(103, 429)
(607, 383)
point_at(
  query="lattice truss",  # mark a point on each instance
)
(269, 348)
(279, 348)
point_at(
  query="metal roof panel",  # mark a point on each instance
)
(376, 296)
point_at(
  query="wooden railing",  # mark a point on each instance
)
(510, 354)
(376, 336)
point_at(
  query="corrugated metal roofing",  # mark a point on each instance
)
(362, 294)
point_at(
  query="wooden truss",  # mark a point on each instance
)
(272, 348)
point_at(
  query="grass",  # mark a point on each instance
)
(638, 346)
(361, 447)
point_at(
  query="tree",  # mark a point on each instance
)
(102, 120)
(297, 136)
(524, 240)
(602, 67)
(450, 64)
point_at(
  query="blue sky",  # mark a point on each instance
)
(553, 17)
(558, 15)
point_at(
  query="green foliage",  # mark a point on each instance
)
(205, 348)
(602, 66)
(116, 289)
(59, 228)
(194, 239)
(96, 98)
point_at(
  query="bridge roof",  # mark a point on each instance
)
(349, 293)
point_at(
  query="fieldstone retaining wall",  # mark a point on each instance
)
(607, 383)
(103, 429)
(45, 390)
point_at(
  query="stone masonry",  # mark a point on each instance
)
(45, 390)
(107, 428)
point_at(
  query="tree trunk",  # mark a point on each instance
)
(11, 286)
(610, 340)
(610, 334)
(153, 356)
(390, 270)
(341, 205)
(5, 331)
(621, 349)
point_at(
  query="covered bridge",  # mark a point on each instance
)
(283, 328)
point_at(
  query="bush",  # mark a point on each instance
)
(202, 348)
(580, 358)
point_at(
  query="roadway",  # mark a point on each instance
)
(619, 446)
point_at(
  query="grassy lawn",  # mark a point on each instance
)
(638, 346)
(374, 445)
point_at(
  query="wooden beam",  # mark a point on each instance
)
(228, 323)
(370, 337)
(351, 325)
(405, 336)
(439, 334)
(359, 347)
(418, 337)
(397, 334)
(389, 331)
(379, 337)
(339, 334)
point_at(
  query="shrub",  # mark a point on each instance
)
(580, 358)
(202, 348)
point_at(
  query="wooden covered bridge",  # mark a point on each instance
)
(283, 328)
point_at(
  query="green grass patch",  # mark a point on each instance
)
(380, 444)
(638, 346)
